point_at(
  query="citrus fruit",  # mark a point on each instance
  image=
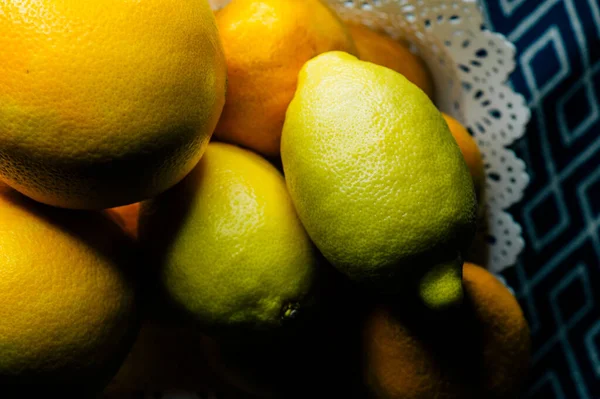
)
(126, 216)
(470, 152)
(230, 250)
(67, 298)
(377, 179)
(503, 330)
(479, 351)
(381, 49)
(105, 103)
(266, 42)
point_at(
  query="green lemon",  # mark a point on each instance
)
(377, 179)
(231, 251)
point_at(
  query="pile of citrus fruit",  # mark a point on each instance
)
(262, 200)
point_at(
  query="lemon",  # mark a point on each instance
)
(231, 251)
(376, 177)
(105, 103)
(68, 309)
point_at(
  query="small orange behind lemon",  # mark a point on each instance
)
(479, 351)
(382, 50)
(470, 152)
(266, 42)
(127, 217)
(503, 331)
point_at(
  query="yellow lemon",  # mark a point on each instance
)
(377, 178)
(67, 298)
(231, 251)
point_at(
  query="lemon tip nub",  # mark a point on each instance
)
(441, 287)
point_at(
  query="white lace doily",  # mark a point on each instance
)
(470, 67)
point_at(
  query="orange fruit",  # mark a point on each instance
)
(127, 217)
(503, 331)
(481, 351)
(106, 102)
(381, 49)
(470, 152)
(266, 42)
(68, 309)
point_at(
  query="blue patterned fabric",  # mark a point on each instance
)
(557, 279)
